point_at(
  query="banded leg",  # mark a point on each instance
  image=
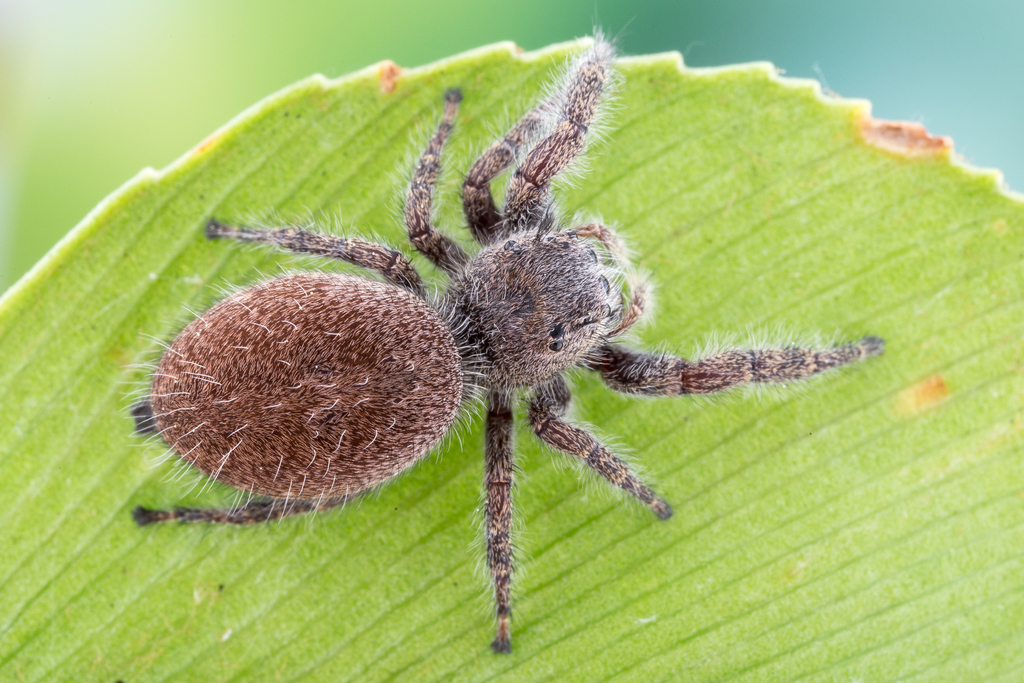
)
(498, 474)
(528, 198)
(390, 263)
(546, 411)
(439, 248)
(482, 215)
(635, 372)
(253, 513)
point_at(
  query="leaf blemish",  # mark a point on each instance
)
(903, 137)
(207, 143)
(923, 395)
(388, 72)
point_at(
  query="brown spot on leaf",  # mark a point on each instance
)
(923, 395)
(904, 137)
(207, 143)
(389, 73)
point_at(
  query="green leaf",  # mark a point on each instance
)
(867, 526)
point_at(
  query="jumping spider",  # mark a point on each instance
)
(308, 389)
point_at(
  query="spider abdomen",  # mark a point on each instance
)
(308, 385)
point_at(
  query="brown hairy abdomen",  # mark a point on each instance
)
(309, 385)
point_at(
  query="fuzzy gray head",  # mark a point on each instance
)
(533, 305)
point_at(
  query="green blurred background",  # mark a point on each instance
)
(93, 90)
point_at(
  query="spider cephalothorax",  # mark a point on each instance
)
(308, 389)
(534, 305)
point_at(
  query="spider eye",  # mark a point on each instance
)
(604, 283)
(589, 320)
(557, 333)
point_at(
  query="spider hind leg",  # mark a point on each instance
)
(256, 512)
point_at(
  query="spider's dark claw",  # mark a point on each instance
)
(453, 95)
(144, 516)
(872, 346)
(503, 640)
(662, 509)
(216, 230)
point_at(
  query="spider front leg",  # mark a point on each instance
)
(546, 411)
(392, 264)
(648, 374)
(528, 198)
(439, 248)
(482, 215)
(498, 475)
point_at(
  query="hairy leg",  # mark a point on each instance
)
(498, 475)
(528, 198)
(253, 513)
(388, 262)
(439, 248)
(635, 372)
(546, 411)
(482, 215)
